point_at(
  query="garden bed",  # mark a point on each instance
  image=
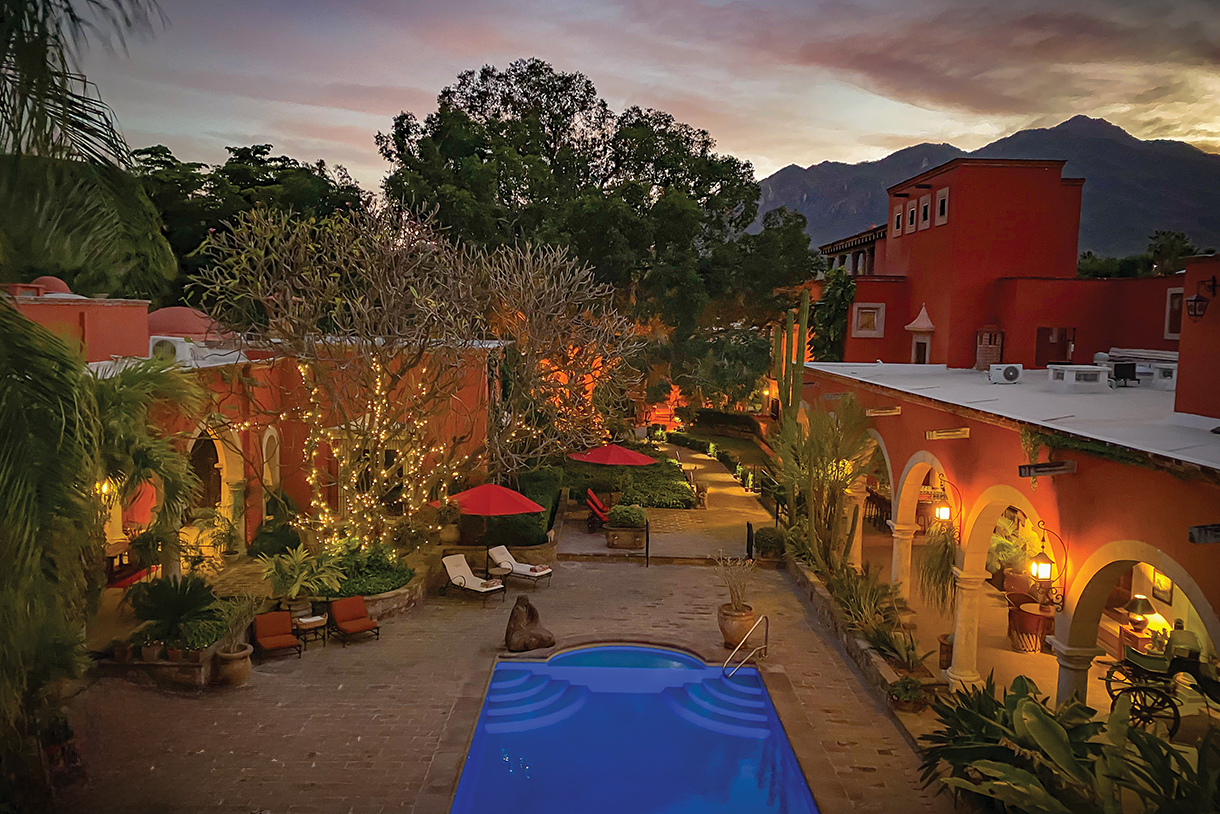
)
(658, 486)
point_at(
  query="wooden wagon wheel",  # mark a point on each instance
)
(1118, 679)
(1152, 710)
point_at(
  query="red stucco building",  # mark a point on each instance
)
(986, 250)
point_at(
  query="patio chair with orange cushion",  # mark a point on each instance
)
(598, 515)
(273, 631)
(349, 617)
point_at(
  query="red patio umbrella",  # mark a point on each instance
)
(493, 500)
(613, 455)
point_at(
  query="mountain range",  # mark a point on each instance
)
(1132, 186)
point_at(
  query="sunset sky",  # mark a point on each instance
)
(776, 81)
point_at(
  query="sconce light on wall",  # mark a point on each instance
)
(1196, 306)
(1042, 569)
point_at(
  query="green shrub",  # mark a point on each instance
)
(768, 542)
(541, 486)
(625, 516)
(659, 487)
(907, 688)
(730, 461)
(371, 570)
(722, 418)
(199, 634)
(275, 535)
(689, 441)
(171, 602)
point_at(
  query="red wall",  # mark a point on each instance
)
(1199, 359)
(1105, 313)
(98, 329)
(895, 346)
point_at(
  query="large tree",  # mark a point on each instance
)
(532, 153)
(195, 200)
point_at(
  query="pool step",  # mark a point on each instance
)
(533, 684)
(736, 691)
(717, 709)
(535, 715)
(549, 694)
(507, 679)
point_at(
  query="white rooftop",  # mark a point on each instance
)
(1137, 417)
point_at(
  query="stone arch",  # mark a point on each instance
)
(1087, 593)
(232, 469)
(906, 491)
(272, 451)
(885, 453)
(1075, 640)
(977, 527)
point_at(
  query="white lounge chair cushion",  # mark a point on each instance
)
(505, 559)
(461, 575)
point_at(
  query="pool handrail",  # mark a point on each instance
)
(766, 623)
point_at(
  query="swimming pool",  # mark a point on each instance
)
(628, 729)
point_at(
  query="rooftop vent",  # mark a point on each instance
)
(1078, 379)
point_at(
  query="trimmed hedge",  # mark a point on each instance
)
(725, 418)
(627, 517)
(659, 486)
(768, 542)
(541, 486)
(689, 441)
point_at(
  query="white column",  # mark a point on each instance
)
(1074, 664)
(966, 629)
(857, 495)
(900, 569)
(849, 266)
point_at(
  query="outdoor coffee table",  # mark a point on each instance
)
(500, 574)
(311, 628)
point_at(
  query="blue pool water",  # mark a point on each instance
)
(629, 730)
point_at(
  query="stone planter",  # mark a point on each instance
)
(234, 668)
(195, 656)
(173, 654)
(122, 652)
(735, 625)
(624, 537)
(150, 652)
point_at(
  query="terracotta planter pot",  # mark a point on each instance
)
(122, 652)
(301, 606)
(946, 651)
(734, 625)
(908, 706)
(234, 668)
(150, 652)
(194, 656)
(173, 654)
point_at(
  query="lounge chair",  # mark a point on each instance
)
(349, 617)
(273, 631)
(534, 573)
(598, 514)
(461, 576)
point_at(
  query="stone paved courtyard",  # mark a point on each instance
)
(381, 726)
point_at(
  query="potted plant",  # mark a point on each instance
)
(122, 651)
(150, 646)
(172, 603)
(299, 575)
(234, 652)
(769, 542)
(625, 527)
(735, 617)
(907, 695)
(946, 650)
(173, 649)
(199, 636)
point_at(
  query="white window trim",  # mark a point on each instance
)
(912, 216)
(925, 205)
(876, 333)
(941, 195)
(1168, 296)
(898, 217)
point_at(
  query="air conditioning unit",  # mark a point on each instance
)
(175, 348)
(1164, 376)
(1004, 374)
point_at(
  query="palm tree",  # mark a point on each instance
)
(48, 528)
(47, 106)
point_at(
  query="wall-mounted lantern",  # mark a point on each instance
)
(1042, 569)
(1196, 306)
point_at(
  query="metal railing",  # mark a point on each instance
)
(760, 651)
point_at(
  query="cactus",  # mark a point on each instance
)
(789, 353)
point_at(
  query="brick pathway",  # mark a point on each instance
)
(381, 726)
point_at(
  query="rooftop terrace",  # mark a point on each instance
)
(1137, 417)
